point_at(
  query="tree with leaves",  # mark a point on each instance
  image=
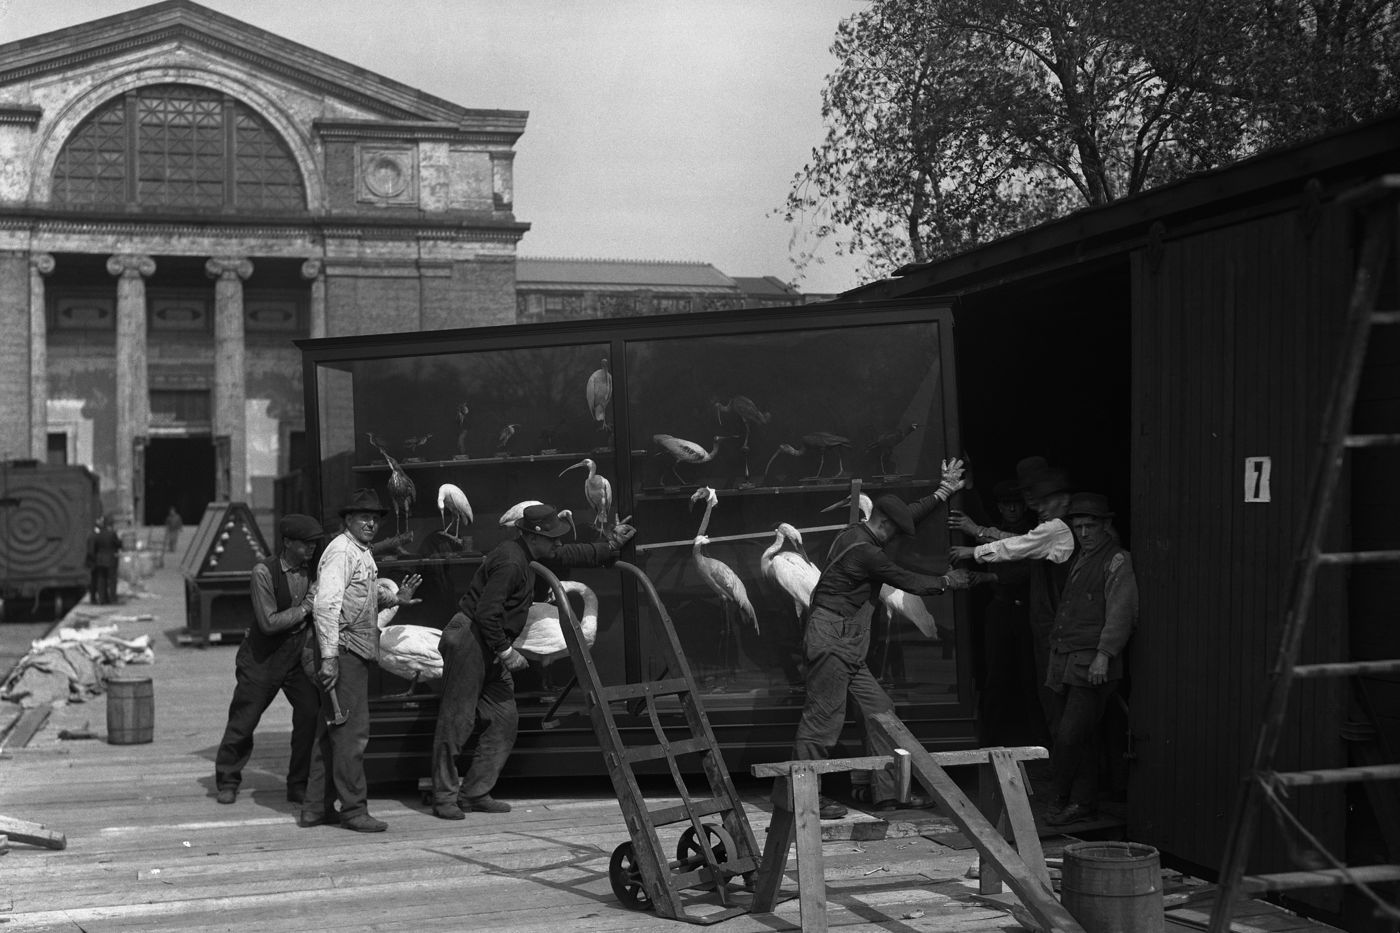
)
(951, 123)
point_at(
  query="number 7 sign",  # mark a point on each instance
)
(1256, 478)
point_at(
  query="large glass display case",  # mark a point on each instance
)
(745, 427)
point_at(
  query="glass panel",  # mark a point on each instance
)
(778, 424)
(501, 426)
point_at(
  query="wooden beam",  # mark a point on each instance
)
(32, 833)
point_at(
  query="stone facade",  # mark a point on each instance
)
(182, 195)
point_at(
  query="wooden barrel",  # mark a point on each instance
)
(131, 711)
(1112, 887)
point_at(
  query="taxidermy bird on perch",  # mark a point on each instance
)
(684, 451)
(516, 512)
(411, 444)
(747, 412)
(598, 393)
(408, 651)
(720, 578)
(462, 411)
(785, 563)
(598, 491)
(402, 492)
(505, 437)
(886, 443)
(821, 442)
(451, 499)
(542, 638)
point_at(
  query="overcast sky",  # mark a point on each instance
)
(658, 129)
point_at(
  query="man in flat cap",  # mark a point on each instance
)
(269, 661)
(1097, 614)
(348, 600)
(478, 656)
(837, 637)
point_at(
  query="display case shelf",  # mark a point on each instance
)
(860, 373)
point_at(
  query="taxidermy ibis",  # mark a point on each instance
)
(462, 411)
(719, 577)
(451, 499)
(897, 603)
(411, 444)
(886, 443)
(407, 651)
(746, 410)
(598, 491)
(683, 451)
(786, 564)
(598, 392)
(542, 638)
(787, 449)
(823, 441)
(402, 492)
(505, 437)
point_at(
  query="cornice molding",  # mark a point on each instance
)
(21, 114)
(416, 131)
(494, 232)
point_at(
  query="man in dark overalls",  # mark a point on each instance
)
(837, 638)
(269, 661)
(478, 657)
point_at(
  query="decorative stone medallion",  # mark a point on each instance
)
(388, 175)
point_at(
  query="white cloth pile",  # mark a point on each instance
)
(73, 665)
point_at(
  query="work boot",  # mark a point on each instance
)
(296, 795)
(1074, 813)
(829, 809)
(228, 794)
(364, 823)
(448, 811)
(308, 820)
(487, 804)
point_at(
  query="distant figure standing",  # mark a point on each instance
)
(103, 545)
(173, 524)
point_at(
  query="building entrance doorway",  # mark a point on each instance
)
(179, 472)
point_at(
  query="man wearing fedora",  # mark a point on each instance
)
(1097, 613)
(269, 661)
(347, 603)
(478, 656)
(837, 637)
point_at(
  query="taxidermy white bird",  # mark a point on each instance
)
(542, 638)
(896, 602)
(407, 651)
(719, 576)
(451, 499)
(516, 512)
(684, 451)
(786, 564)
(599, 394)
(598, 491)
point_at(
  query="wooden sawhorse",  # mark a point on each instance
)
(1022, 867)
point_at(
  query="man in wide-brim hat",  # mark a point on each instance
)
(269, 661)
(478, 656)
(346, 608)
(1096, 616)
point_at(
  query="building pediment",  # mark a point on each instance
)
(186, 25)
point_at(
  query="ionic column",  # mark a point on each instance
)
(40, 265)
(133, 397)
(230, 389)
(315, 270)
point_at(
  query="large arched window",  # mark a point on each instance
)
(175, 146)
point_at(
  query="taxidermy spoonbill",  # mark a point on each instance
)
(684, 451)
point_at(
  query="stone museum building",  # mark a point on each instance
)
(181, 196)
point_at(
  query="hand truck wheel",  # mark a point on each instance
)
(626, 878)
(688, 849)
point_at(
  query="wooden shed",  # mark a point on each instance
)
(1158, 347)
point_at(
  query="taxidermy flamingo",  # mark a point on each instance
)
(407, 651)
(897, 603)
(516, 512)
(598, 491)
(598, 392)
(402, 492)
(684, 451)
(542, 638)
(718, 576)
(886, 443)
(786, 564)
(450, 498)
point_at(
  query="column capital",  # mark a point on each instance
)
(42, 263)
(313, 268)
(226, 267)
(131, 265)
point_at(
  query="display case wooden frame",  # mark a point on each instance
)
(858, 372)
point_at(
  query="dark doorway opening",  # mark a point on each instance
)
(179, 472)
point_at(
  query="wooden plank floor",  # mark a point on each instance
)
(150, 850)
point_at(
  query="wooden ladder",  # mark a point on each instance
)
(1380, 209)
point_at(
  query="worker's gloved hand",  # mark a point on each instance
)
(952, 479)
(960, 552)
(329, 672)
(958, 521)
(957, 579)
(621, 533)
(513, 660)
